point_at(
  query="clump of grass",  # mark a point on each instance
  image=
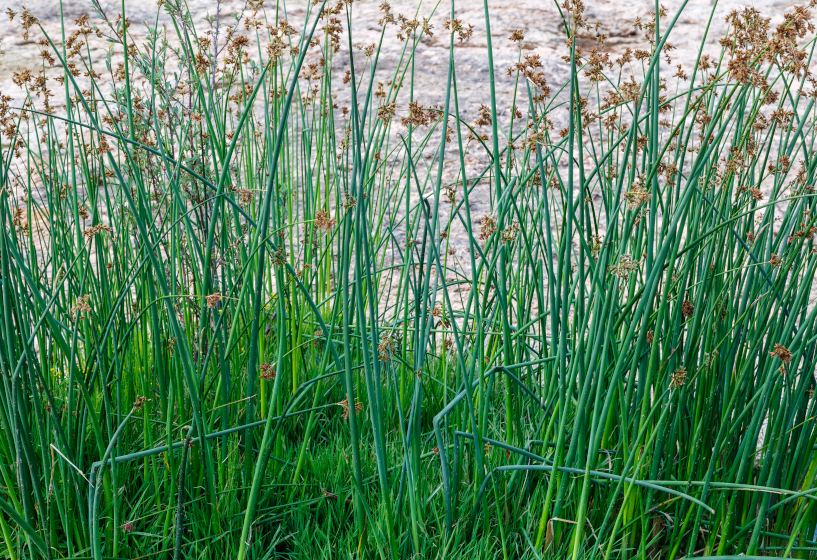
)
(235, 320)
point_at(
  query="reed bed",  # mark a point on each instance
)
(234, 322)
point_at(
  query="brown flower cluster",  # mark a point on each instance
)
(213, 300)
(530, 68)
(344, 404)
(781, 353)
(419, 116)
(487, 227)
(267, 372)
(626, 266)
(388, 346)
(323, 221)
(92, 232)
(463, 31)
(679, 377)
(637, 197)
(484, 118)
(82, 306)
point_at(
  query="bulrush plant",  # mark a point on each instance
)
(245, 316)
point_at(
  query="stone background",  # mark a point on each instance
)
(540, 20)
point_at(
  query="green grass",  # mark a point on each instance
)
(200, 270)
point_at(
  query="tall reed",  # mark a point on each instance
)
(237, 319)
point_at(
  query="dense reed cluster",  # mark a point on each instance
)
(245, 315)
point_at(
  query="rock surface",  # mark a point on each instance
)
(539, 19)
